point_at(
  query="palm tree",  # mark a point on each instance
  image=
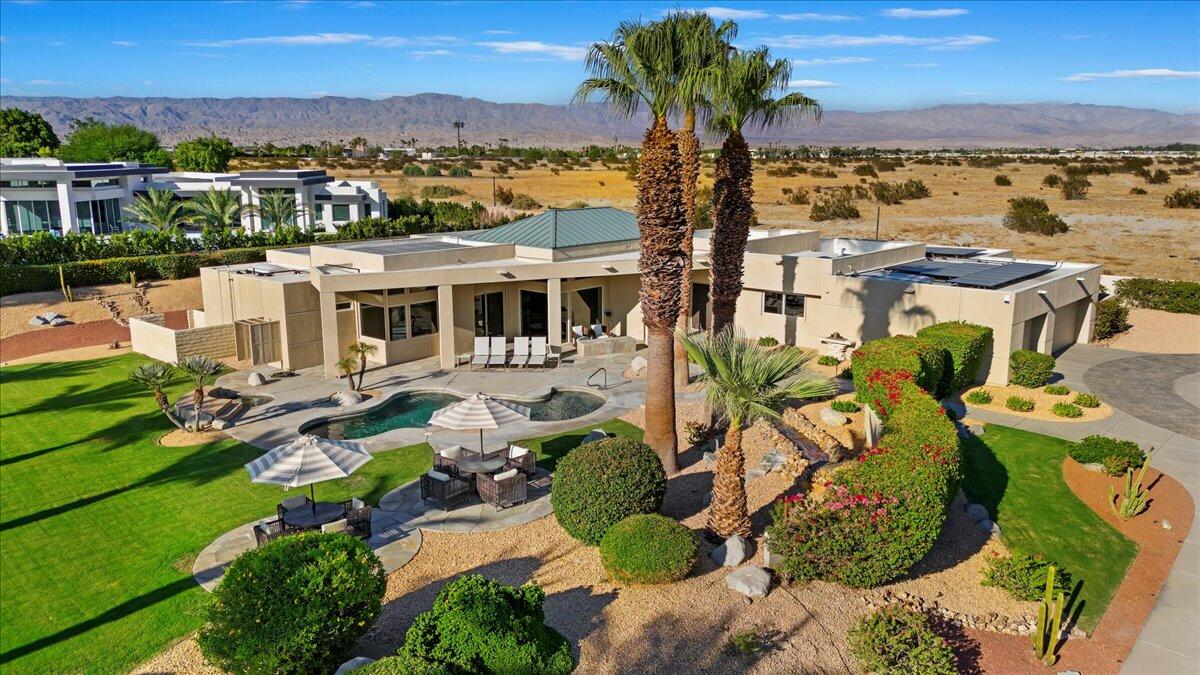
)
(742, 94)
(155, 376)
(221, 209)
(200, 368)
(158, 209)
(744, 383)
(278, 208)
(458, 127)
(362, 350)
(347, 366)
(706, 46)
(638, 67)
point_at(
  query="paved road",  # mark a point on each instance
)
(1156, 401)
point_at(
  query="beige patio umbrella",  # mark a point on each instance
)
(480, 412)
(306, 461)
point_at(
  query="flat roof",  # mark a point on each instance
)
(399, 246)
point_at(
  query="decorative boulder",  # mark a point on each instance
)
(60, 321)
(986, 525)
(638, 364)
(595, 435)
(752, 582)
(37, 321)
(770, 559)
(731, 553)
(833, 418)
(353, 664)
(978, 512)
(256, 379)
(347, 398)
(47, 317)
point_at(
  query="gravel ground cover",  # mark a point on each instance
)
(1158, 332)
(1043, 403)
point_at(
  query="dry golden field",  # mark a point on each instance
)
(1128, 234)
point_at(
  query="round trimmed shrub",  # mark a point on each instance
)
(1087, 400)
(1062, 409)
(648, 549)
(896, 641)
(1019, 404)
(845, 406)
(979, 397)
(298, 604)
(1030, 369)
(827, 360)
(600, 484)
(402, 665)
(1112, 318)
(478, 625)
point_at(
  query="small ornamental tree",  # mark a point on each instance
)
(207, 153)
(296, 605)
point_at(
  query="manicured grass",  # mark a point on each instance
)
(550, 448)
(99, 524)
(1017, 475)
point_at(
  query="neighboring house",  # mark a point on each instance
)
(49, 195)
(431, 295)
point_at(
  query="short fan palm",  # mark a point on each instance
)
(221, 209)
(744, 383)
(158, 209)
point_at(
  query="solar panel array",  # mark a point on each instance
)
(952, 251)
(973, 274)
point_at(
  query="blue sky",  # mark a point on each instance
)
(858, 56)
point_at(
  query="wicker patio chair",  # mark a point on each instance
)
(291, 503)
(357, 515)
(521, 459)
(505, 489)
(269, 530)
(446, 460)
(443, 488)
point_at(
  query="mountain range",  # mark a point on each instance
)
(429, 117)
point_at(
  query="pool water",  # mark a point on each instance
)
(415, 409)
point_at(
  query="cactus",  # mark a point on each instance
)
(62, 283)
(1133, 499)
(1049, 623)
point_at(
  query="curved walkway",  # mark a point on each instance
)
(1140, 388)
(396, 526)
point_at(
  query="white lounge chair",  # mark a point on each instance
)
(577, 333)
(520, 355)
(498, 352)
(480, 357)
(537, 356)
(598, 331)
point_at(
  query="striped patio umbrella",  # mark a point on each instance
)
(306, 461)
(480, 412)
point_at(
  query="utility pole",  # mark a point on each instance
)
(877, 209)
(493, 192)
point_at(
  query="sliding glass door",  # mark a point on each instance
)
(489, 315)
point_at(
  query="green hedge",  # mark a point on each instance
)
(925, 361)
(965, 344)
(29, 278)
(881, 516)
(1180, 297)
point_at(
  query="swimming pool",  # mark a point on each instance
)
(414, 410)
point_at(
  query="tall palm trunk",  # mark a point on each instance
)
(728, 514)
(160, 397)
(733, 210)
(362, 371)
(198, 400)
(689, 159)
(661, 225)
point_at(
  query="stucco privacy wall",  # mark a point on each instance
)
(151, 337)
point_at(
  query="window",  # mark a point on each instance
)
(33, 216)
(371, 321)
(28, 184)
(789, 304)
(424, 318)
(105, 215)
(341, 213)
(366, 210)
(97, 183)
(397, 324)
(342, 306)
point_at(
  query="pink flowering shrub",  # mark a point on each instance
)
(882, 514)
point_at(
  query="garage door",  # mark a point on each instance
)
(1066, 324)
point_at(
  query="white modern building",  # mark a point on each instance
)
(40, 194)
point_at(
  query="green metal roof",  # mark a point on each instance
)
(563, 228)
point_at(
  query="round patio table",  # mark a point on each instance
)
(309, 518)
(473, 465)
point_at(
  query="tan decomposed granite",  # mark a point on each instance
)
(1043, 403)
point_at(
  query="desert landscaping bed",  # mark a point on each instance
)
(1042, 402)
(163, 296)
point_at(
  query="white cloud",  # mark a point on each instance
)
(814, 16)
(421, 54)
(499, 32)
(838, 41)
(731, 13)
(295, 4)
(124, 43)
(832, 61)
(148, 83)
(47, 83)
(536, 48)
(418, 41)
(311, 40)
(1155, 73)
(321, 94)
(910, 13)
(812, 84)
(5, 80)
(1078, 36)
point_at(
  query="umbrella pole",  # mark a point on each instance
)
(312, 496)
(481, 445)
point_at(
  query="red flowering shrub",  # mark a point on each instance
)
(924, 361)
(882, 514)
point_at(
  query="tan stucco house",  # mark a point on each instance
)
(431, 295)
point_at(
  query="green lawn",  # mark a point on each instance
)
(550, 448)
(1017, 475)
(99, 524)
